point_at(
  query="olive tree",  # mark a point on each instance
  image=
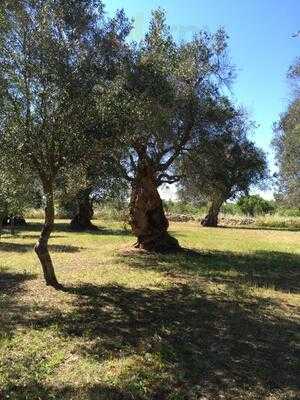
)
(162, 99)
(222, 164)
(287, 145)
(83, 186)
(50, 52)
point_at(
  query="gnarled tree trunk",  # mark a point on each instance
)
(212, 217)
(41, 248)
(147, 217)
(82, 220)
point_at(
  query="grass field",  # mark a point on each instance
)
(218, 321)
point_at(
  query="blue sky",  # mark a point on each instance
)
(260, 46)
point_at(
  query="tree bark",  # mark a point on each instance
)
(147, 217)
(212, 217)
(12, 225)
(41, 248)
(82, 219)
(5, 220)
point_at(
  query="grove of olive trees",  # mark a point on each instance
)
(85, 112)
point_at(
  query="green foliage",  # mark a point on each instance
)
(99, 180)
(288, 212)
(181, 207)
(18, 191)
(255, 205)
(61, 49)
(162, 97)
(224, 163)
(230, 209)
(287, 146)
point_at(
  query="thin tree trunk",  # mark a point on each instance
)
(147, 217)
(4, 216)
(82, 219)
(1, 224)
(12, 225)
(212, 217)
(41, 248)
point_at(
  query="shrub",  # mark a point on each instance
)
(255, 205)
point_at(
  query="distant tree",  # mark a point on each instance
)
(18, 193)
(287, 145)
(254, 205)
(221, 165)
(162, 100)
(50, 53)
(81, 188)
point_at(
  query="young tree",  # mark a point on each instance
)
(221, 165)
(160, 102)
(50, 53)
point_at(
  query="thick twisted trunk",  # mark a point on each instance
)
(41, 248)
(82, 220)
(212, 217)
(147, 217)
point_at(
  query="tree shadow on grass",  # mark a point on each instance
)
(11, 282)
(65, 227)
(40, 391)
(26, 247)
(277, 270)
(11, 285)
(114, 232)
(184, 341)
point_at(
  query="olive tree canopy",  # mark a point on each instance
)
(51, 52)
(287, 145)
(222, 164)
(161, 101)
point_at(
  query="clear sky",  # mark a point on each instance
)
(260, 46)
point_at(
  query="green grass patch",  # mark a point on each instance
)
(217, 321)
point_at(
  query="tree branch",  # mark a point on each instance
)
(166, 178)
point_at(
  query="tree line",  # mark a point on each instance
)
(86, 113)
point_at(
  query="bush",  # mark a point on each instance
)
(180, 207)
(230, 209)
(255, 205)
(288, 212)
(277, 221)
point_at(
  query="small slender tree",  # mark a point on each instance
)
(221, 165)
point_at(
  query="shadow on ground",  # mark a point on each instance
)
(38, 391)
(25, 247)
(11, 286)
(11, 283)
(65, 227)
(194, 344)
(276, 270)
